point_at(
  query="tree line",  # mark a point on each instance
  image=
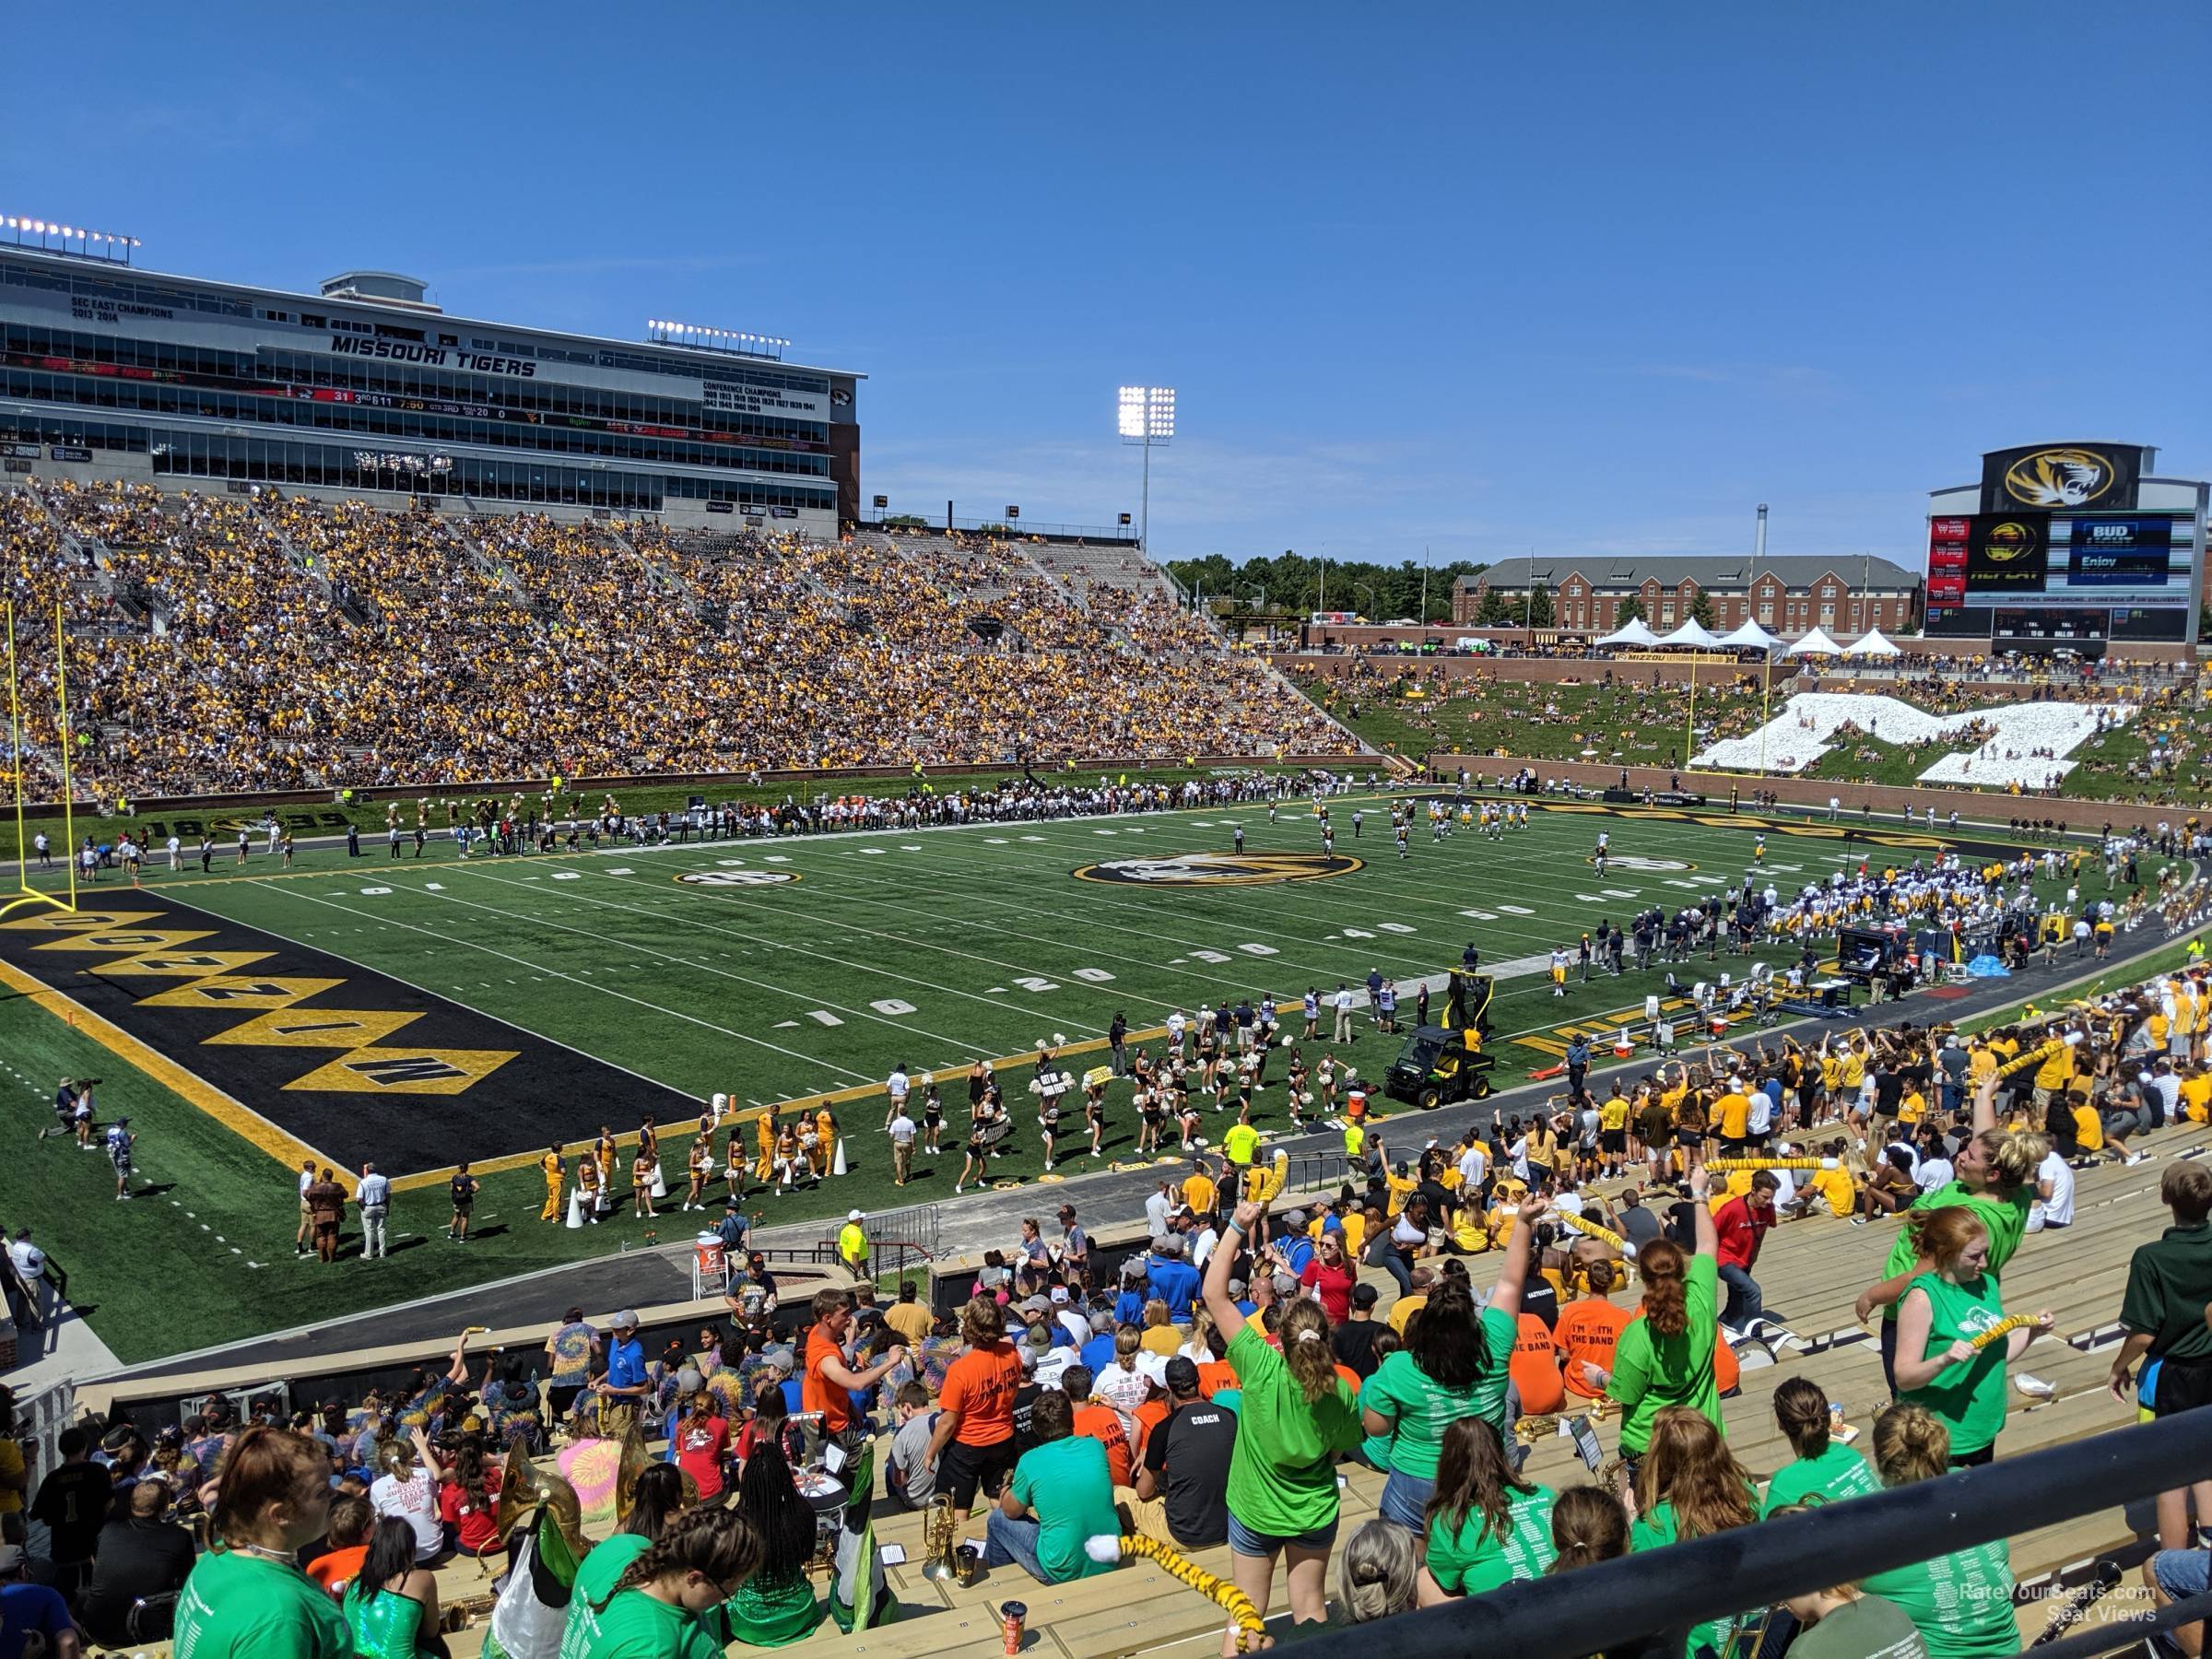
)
(1295, 581)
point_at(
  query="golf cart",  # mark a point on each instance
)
(1442, 1065)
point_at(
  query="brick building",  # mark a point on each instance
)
(1789, 595)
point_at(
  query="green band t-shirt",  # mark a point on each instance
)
(240, 1607)
(1282, 1472)
(1836, 1473)
(1424, 1408)
(1473, 1560)
(1968, 1396)
(1651, 1370)
(1962, 1601)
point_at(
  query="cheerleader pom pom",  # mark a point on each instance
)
(1059, 1038)
(1104, 1547)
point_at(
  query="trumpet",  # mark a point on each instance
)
(939, 1534)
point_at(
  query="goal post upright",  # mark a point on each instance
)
(25, 894)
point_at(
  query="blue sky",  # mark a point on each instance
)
(1592, 277)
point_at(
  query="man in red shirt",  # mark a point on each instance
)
(829, 1382)
(1742, 1225)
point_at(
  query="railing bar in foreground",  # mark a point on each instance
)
(1600, 1609)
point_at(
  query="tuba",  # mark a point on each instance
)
(938, 1536)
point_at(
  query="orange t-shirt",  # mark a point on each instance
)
(1216, 1375)
(1535, 1368)
(1727, 1375)
(1150, 1415)
(816, 1393)
(338, 1569)
(980, 1385)
(1104, 1424)
(1587, 1332)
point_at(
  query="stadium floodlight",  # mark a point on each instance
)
(1146, 416)
(27, 233)
(697, 336)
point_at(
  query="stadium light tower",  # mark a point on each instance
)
(1147, 417)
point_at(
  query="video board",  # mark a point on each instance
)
(2138, 560)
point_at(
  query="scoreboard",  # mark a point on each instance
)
(2064, 544)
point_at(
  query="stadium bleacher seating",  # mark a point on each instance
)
(225, 643)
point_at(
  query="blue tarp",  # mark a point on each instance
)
(1988, 967)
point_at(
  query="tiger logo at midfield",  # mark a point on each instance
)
(1220, 869)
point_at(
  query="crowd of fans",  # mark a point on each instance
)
(1619, 715)
(1208, 1389)
(225, 643)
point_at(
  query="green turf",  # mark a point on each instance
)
(927, 948)
(937, 948)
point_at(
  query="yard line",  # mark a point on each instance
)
(1060, 941)
(897, 1024)
(583, 984)
(1364, 950)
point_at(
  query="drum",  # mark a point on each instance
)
(828, 1496)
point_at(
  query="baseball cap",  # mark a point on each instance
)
(854, 1215)
(624, 1321)
(1041, 1336)
(1059, 1295)
(1182, 1374)
(1365, 1296)
(782, 1359)
(1295, 1221)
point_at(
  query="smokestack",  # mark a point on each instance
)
(1760, 549)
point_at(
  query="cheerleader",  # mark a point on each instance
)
(1186, 1115)
(1149, 1114)
(933, 1119)
(1048, 1121)
(784, 1160)
(649, 1145)
(1094, 1116)
(640, 1184)
(603, 1154)
(587, 1186)
(734, 1163)
(974, 1158)
(813, 1155)
(1325, 1079)
(698, 1163)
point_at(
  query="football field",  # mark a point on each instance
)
(417, 1012)
(780, 970)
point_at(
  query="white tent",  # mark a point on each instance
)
(1873, 644)
(1690, 633)
(1751, 637)
(1634, 634)
(1816, 644)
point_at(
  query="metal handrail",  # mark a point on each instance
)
(1667, 1592)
